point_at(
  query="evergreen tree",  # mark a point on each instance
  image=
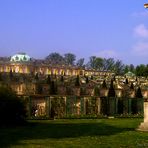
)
(77, 81)
(126, 68)
(87, 80)
(111, 92)
(132, 68)
(48, 79)
(104, 84)
(114, 78)
(132, 86)
(62, 78)
(138, 93)
(126, 81)
(11, 74)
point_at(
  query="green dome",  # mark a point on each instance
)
(129, 74)
(20, 57)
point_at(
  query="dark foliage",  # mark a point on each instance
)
(141, 70)
(48, 79)
(120, 106)
(114, 78)
(132, 86)
(62, 79)
(104, 105)
(138, 93)
(87, 80)
(111, 92)
(96, 91)
(11, 74)
(126, 81)
(12, 108)
(104, 84)
(77, 82)
(134, 107)
(39, 89)
(69, 90)
(53, 88)
(55, 59)
(1, 77)
(82, 91)
(55, 76)
(69, 58)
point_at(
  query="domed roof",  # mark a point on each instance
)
(20, 57)
(130, 74)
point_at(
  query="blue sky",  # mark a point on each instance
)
(104, 28)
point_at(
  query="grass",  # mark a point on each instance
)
(78, 133)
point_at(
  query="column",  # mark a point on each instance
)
(144, 125)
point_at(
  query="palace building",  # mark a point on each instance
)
(22, 63)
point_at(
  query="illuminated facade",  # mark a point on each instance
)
(22, 63)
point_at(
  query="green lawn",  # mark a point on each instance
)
(75, 133)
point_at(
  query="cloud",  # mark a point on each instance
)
(141, 31)
(140, 14)
(107, 54)
(140, 49)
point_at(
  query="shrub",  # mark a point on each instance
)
(12, 108)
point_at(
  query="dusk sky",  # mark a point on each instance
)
(103, 28)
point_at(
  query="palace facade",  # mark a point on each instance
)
(22, 63)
